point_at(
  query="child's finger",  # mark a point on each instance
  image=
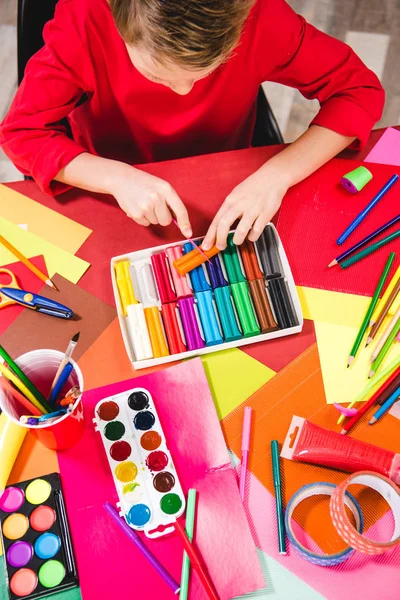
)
(224, 224)
(242, 230)
(150, 215)
(259, 227)
(163, 214)
(140, 220)
(179, 210)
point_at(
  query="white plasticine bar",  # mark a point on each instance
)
(144, 283)
(388, 490)
(143, 257)
(317, 489)
(145, 492)
(138, 332)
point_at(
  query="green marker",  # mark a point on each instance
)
(190, 520)
(371, 308)
(231, 262)
(276, 472)
(245, 310)
(227, 317)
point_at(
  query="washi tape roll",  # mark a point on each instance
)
(387, 489)
(356, 180)
(318, 489)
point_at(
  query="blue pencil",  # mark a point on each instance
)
(364, 241)
(62, 380)
(385, 406)
(361, 216)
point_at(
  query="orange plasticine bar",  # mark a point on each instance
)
(156, 331)
(193, 259)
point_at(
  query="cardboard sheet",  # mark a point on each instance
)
(298, 390)
(32, 330)
(48, 224)
(332, 307)
(27, 281)
(190, 423)
(316, 211)
(334, 345)
(57, 260)
(387, 150)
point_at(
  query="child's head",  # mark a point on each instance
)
(178, 42)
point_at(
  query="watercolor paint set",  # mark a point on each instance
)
(242, 295)
(36, 540)
(150, 495)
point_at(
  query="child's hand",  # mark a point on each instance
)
(254, 202)
(149, 200)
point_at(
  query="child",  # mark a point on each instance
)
(133, 81)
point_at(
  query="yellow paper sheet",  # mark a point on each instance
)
(334, 346)
(332, 307)
(57, 260)
(42, 221)
(233, 376)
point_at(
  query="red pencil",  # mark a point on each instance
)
(195, 561)
(370, 402)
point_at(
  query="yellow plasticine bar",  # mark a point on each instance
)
(124, 284)
(193, 259)
(156, 332)
(393, 309)
(11, 438)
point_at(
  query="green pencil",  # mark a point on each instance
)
(190, 520)
(371, 308)
(385, 349)
(276, 472)
(369, 250)
(31, 387)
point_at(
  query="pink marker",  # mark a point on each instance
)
(245, 449)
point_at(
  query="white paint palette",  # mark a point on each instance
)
(150, 494)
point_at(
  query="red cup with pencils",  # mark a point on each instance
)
(62, 425)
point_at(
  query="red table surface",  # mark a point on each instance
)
(202, 182)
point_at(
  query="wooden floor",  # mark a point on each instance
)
(371, 27)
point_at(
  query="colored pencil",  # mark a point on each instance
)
(245, 450)
(366, 406)
(385, 407)
(369, 250)
(195, 561)
(276, 473)
(385, 335)
(383, 312)
(371, 308)
(8, 374)
(190, 523)
(389, 391)
(361, 216)
(364, 241)
(28, 263)
(68, 353)
(136, 539)
(371, 385)
(386, 347)
(6, 385)
(12, 365)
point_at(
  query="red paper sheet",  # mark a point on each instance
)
(314, 214)
(27, 281)
(114, 568)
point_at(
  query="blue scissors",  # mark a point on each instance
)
(12, 294)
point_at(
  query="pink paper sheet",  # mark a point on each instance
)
(359, 578)
(387, 150)
(108, 563)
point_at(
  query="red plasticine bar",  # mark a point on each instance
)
(310, 443)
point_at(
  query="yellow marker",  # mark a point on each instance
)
(156, 332)
(124, 283)
(11, 438)
(396, 303)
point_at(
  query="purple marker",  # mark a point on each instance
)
(194, 341)
(135, 538)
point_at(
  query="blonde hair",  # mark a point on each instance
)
(194, 34)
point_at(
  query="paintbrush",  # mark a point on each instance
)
(68, 353)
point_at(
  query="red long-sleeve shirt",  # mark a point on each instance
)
(84, 73)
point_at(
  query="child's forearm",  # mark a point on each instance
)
(304, 156)
(93, 173)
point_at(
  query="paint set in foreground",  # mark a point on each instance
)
(151, 497)
(36, 538)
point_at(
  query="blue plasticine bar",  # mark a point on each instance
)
(209, 321)
(197, 275)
